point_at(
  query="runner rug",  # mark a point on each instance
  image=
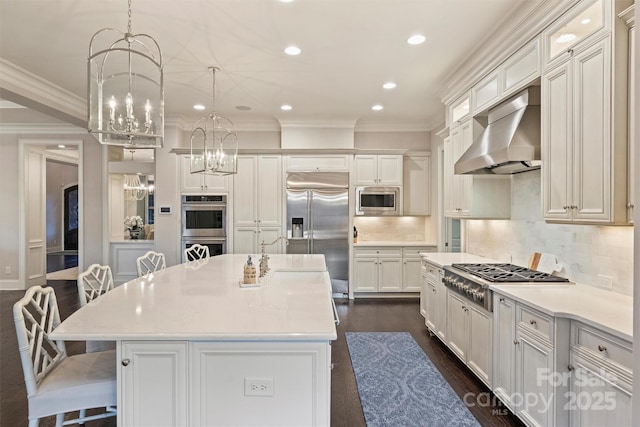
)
(399, 386)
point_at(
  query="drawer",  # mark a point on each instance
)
(431, 272)
(532, 320)
(378, 252)
(414, 252)
(602, 344)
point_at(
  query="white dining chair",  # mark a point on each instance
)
(92, 283)
(196, 252)
(150, 262)
(57, 383)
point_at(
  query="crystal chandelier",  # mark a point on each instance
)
(214, 143)
(134, 190)
(126, 95)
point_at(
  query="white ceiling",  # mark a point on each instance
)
(349, 49)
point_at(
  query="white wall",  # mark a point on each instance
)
(59, 176)
(585, 251)
(413, 141)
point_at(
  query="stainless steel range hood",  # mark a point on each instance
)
(511, 141)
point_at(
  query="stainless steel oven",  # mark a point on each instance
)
(216, 245)
(377, 201)
(204, 216)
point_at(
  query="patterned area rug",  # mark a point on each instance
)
(399, 386)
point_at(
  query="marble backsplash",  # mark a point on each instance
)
(395, 228)
(585, 251)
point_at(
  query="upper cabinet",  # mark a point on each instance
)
(460, 109)
(378, 169)
(628, 17)
(584, 125)
(417, 185)
(317, 163)
(197, 183)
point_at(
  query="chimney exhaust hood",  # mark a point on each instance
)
(511, 141)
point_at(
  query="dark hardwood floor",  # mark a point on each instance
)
(360, 315)
(61, 260)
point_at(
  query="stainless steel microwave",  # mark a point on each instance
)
(378, 201)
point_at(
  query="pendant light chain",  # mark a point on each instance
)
(129, 22)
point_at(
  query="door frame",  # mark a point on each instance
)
(24, 145)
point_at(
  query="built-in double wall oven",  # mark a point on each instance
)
(204, 221)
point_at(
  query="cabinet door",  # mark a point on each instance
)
(268, 235)
(457, 325)
(389, 169)
(533, 360)
(190, 182)
(153, 384)
(441, 313)
(366, 274)
(465, 181)
(504, 327)
(448, 187)
(216, 183)
(597, 397)
(479, 351)
(389, 274)
(366, 169)
(592, 133)
(557, 117)
(416, 185)
(245, 240)
(424, 296)
(432, 307)
(633, 125)
(245, 203)
(270, 190)
(411, 275)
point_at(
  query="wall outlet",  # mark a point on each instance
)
(258, 386)
(7, 270)
(604, 281)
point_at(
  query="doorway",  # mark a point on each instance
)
(70, 230)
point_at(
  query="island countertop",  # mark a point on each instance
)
(204, 301)
(442, 259)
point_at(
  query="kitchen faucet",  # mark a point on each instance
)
(264, 258)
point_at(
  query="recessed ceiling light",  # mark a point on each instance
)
(377, 107)
(243, 107)
(286, 107)
(585, 21)
(416, 39)
(62, 146)
(198, 107)
(286, 1)
(389, 85)
(292, 50)
(566, 37)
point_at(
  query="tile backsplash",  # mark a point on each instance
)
(395, 228)
(585, 251)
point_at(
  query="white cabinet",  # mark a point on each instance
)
(584, 144)
(504, 335)
(459, 110)
(435, 300)
(378, 169)
(469, 331)
(257, 202)
(317, 163)
(472, 196)
(191, 183)
(153, 384)
(412, 267)
(601, 378)
(628, 17)
(417, 185)
(378, 270)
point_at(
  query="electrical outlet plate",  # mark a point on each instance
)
(258, 386)
(7, 270)
(604, 281)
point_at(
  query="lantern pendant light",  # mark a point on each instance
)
(214, 143)
(126, 94)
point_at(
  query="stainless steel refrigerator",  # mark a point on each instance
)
(318, 221)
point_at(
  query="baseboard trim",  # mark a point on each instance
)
(11, 285)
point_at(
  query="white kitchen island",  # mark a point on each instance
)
(196, 349)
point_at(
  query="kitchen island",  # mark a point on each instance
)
(194, 348)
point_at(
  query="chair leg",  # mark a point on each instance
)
(59, 419)
(83, 413)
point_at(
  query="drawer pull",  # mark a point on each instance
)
(501, 299)
(532, 322)
(516, 342)
(125, 362)
(571, 368)
(602, 347)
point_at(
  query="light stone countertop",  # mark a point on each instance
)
(410, 243)
(204, 301)
(606, 310)
(447, 258)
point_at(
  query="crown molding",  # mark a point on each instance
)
(499, 45)
(51, 98)
(325, 124)
(628, 16)
(42, 129)
(397, 126)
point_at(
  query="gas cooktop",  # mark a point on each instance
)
(507, 273)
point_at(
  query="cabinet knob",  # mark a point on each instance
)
(602, 347)
(433, 289)
(571, 368)
(464, 308)
(532, 322)
(125, 362)
(516, 342)
(501, 299)
(565, 207)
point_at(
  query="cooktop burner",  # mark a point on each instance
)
(507, 273)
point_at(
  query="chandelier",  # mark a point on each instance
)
(214, 143)
(126, 95)
(134, 190)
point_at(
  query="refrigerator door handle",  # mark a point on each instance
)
(310, 221)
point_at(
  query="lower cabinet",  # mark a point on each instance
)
(469, 334)
(435, 300)
(224, 383)
(247, 240)
(504, 350)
